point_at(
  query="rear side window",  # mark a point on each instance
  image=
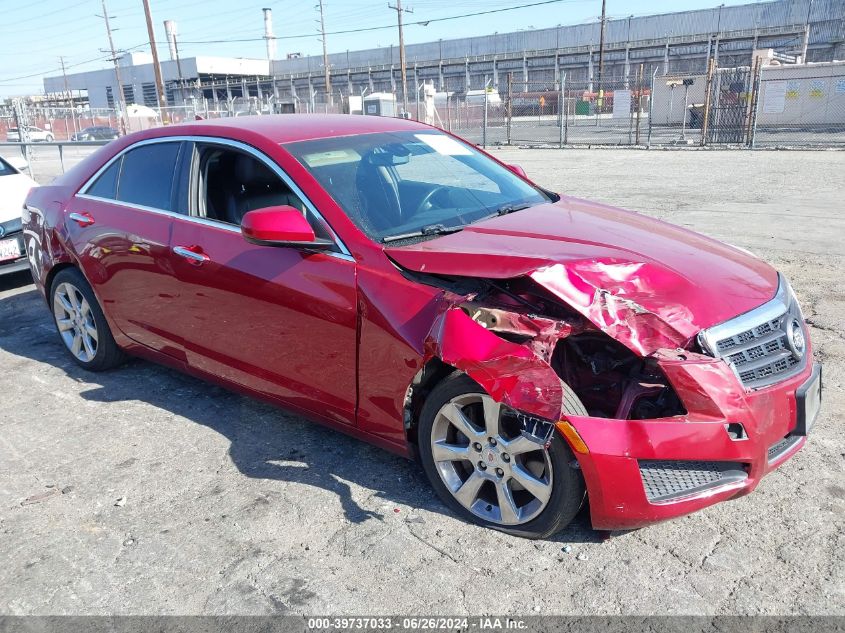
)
(106, 185)
(148, 175)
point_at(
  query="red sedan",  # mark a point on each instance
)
(385, 278)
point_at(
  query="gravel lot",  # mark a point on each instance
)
(229, 506)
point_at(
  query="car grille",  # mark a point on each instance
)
(756, 344)
(670, 480)
(760, 353)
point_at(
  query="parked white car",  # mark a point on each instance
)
(14, 187)
(33, 134)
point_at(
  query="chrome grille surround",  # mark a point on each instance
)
(757, 344)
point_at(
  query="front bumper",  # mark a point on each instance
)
(639, 472)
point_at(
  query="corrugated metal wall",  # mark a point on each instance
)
(826, 18)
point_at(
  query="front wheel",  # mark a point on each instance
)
(49, 138)
(491, 467)
(81, 323)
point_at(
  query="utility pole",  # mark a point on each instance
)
(325, 52)
(601, 42)
(69, 95)
(806, 42)
(121, 102)
(161, 97)
(398, 8)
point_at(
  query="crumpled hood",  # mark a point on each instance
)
(647, 283)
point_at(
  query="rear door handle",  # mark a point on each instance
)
(192, 253)
(82, 219)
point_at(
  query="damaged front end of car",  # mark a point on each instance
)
(659, 429)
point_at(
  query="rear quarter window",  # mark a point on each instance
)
(148, 174)
(106, 185)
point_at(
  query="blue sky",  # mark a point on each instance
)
(34, 34)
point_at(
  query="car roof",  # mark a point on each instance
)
(288, 128)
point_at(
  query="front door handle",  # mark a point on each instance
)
(82, 219)
(192, 253)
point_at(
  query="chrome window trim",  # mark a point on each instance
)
(344, 252)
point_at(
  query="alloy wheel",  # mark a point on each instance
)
(75, 321)
(490, 464)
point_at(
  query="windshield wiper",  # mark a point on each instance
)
(507, 208)
(431, 229)
(510, 208)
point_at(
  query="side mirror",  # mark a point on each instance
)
(519, 171)
(280, 226)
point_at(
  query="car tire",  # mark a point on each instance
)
(81, 324)
(48, 138)
(499, 501)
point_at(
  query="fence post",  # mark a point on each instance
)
(756, 106)
(708, 98)
(639, 101)
(651, 107)
(484, 132)
(560, 103)
(509, 113)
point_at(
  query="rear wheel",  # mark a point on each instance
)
(81, 323)
(493, 468)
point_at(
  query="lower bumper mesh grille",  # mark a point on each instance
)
(782, 446)
(668, 480)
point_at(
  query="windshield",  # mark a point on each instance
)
(410, 185)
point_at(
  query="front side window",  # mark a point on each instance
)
(230, 183)
(148, 174)
(411, 185)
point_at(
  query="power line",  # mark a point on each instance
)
(55, 70)
(381, 28)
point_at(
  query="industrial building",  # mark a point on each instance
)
(681, 42)
(183, 79)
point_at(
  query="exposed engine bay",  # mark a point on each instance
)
(609, 379)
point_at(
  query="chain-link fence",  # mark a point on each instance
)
(759, 106)
(800, 106)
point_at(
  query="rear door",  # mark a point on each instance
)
(120, 225)
(279, 321)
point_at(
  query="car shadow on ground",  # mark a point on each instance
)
(265, 442)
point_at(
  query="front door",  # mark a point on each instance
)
(280, 321)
